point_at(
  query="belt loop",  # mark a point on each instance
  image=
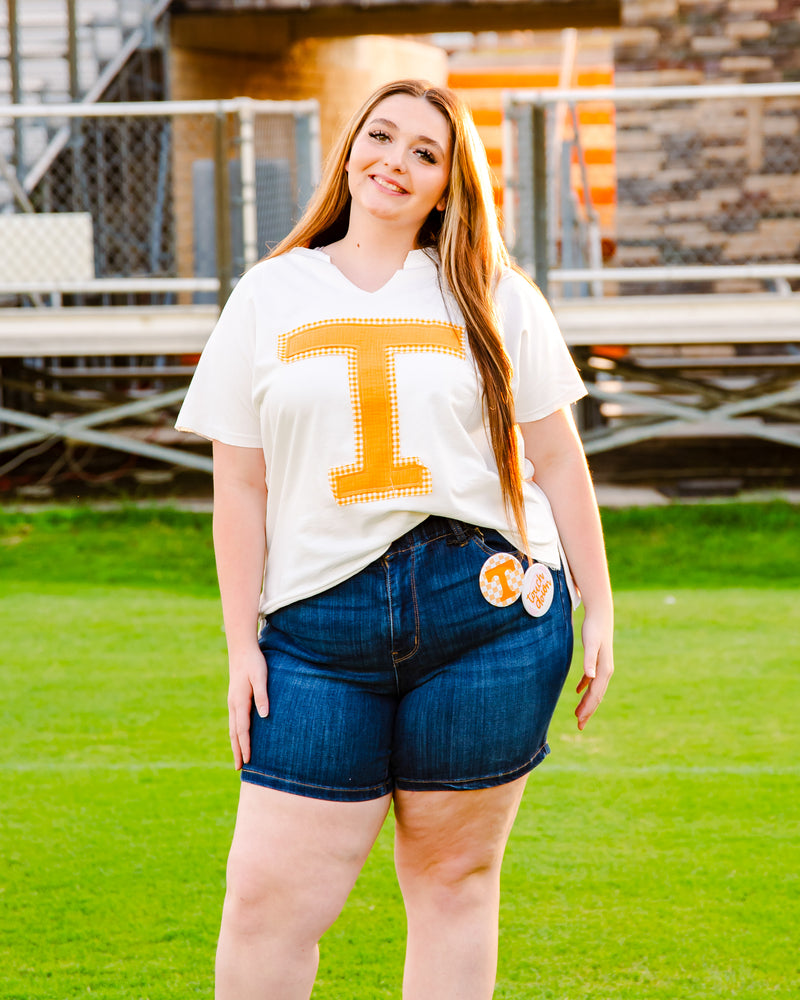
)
(461, 532)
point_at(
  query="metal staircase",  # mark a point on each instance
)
(54, 52)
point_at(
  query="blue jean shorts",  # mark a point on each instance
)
(405, 676)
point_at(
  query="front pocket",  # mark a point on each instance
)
(490, 541)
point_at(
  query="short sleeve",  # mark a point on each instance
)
(545, 378)
(219, 403)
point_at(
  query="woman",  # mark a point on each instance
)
(366, 389)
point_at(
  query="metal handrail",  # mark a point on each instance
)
(687, 272)
(681, 93)
(536, 103)
(107, 286)
(150, 109)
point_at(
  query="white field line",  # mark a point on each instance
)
(687, 770)
(61, 766)
(66, 766)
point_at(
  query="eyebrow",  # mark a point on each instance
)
(420, 138)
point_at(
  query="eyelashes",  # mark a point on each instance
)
(421, 152)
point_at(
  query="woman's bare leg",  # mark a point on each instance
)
(448, 852)
(292, 865)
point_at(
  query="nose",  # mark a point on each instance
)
(393, 158)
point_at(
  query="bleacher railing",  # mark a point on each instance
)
(76, 51)
(165, 199)
(666, 190)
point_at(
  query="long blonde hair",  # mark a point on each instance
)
(471, 253)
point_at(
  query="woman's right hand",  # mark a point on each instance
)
(248, 685)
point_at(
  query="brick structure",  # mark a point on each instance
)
(482, 72)
(309, 68)
(708, 41)
(710, 182)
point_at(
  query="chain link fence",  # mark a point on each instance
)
(113, 266)
(664, 225)
(161, 191)
(666, 190)
(611, 194)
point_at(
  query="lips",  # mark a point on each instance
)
(387, 185)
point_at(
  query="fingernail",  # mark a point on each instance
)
(262, 712)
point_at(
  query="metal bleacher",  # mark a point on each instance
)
(82, 349)
(45, 59)
(53, 53)
(107, 262)
(686, 321)
(105, 301)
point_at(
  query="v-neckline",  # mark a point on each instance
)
(412, 258)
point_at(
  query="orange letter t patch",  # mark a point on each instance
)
(371, 347)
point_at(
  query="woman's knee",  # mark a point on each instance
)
(455, 876)
(460, 871)
(450, 845)
(252, 892)
(293, 861)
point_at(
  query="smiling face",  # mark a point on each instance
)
(399, 164)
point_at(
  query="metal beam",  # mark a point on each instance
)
(679, 319)
(623, 95)
(16, 84)
(79, 429)
(154, 109)
(233, 27)
(72, 50)
(540, 207)
(222, 208)
(682, 414)
(113, 330)
(688, 272)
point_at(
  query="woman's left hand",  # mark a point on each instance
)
(553, 446)
(598, 665)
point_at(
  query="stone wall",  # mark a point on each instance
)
(708, 41)
(712, 181)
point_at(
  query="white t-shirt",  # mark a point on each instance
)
(368, 410)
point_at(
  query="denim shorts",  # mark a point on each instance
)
(405, 676)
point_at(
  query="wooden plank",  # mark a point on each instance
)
(669, 319)
(717, 364)
(680, 319)
(145, 330)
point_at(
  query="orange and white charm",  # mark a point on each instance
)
(501, 579)
(537, 590)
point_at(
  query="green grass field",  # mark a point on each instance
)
(656, 855)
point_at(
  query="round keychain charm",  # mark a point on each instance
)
(537, 590)
(501, 579)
